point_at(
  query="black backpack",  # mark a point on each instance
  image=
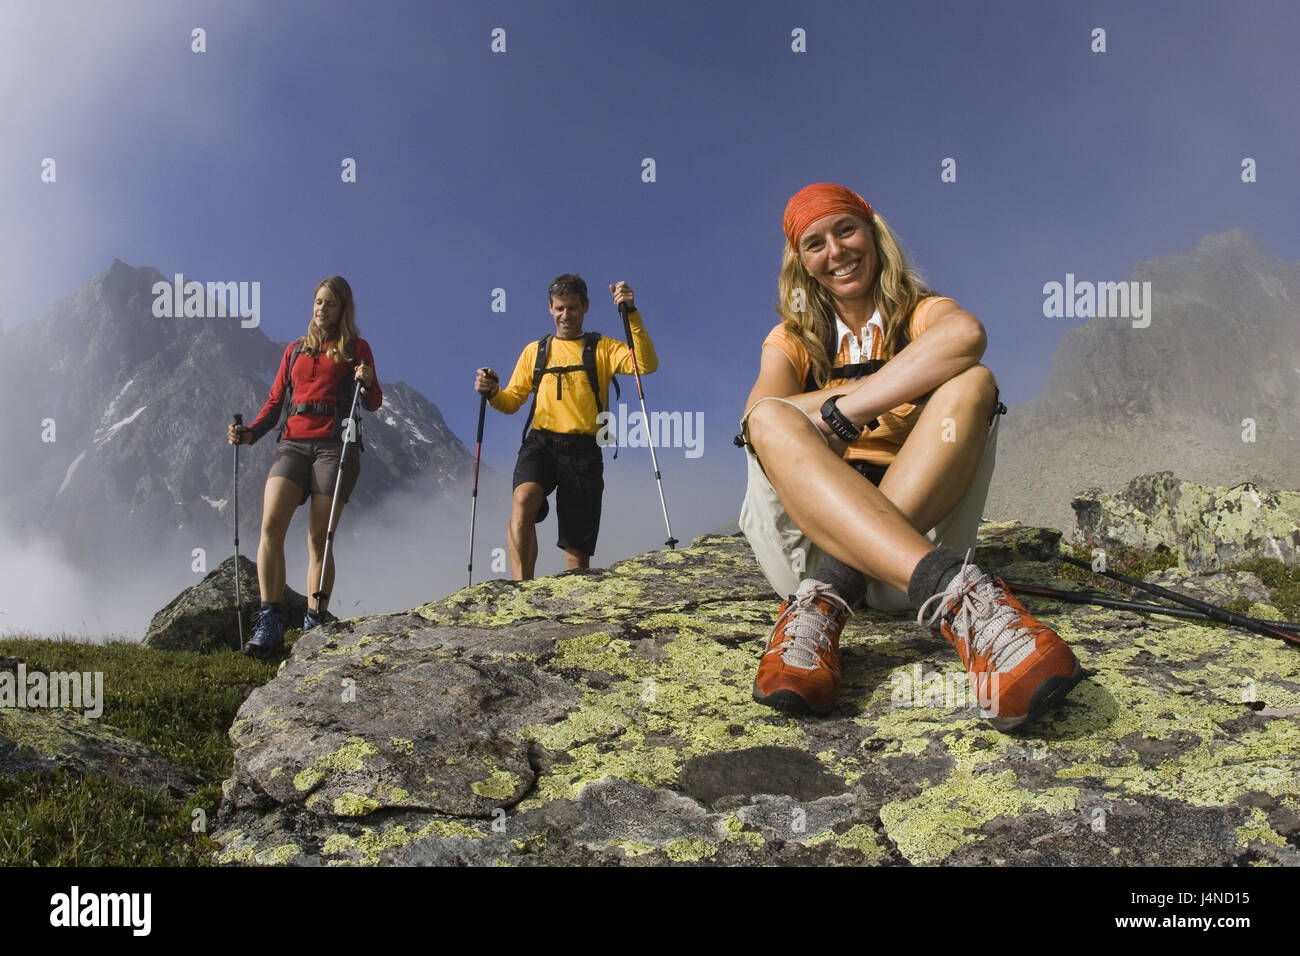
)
(340, 407)
(589, 342)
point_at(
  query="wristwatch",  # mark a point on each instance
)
(838, 421)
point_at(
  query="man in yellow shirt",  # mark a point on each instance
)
(570, 373)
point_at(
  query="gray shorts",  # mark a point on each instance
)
(314, 466)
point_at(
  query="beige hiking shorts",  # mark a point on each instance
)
(787, 555)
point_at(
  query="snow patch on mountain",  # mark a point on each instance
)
(68, 477)
(112, 406)
(115, 428)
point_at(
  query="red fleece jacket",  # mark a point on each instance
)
(316, 378)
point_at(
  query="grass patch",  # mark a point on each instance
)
(178, 703)
(1282, 581)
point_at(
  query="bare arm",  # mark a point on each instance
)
(953, 342)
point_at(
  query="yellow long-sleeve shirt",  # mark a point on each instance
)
(575, 412)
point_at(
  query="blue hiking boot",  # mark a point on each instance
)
(268, 638)
(310, 620)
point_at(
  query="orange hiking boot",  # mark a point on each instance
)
(800, 670)
(1018, 666)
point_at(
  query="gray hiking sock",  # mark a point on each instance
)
(849, 583)
(932, 574)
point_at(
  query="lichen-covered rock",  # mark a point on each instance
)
(1209, 527)
(606, 717)
(202, 618)
(46, 740)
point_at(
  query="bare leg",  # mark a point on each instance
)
(522, 532)
(843, 513)
(575, 559)
(317, 533)
(938, 461)
(279, 501)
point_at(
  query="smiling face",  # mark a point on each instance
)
(325, 312)
(568, 310)
(839, 251)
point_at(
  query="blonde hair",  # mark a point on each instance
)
(898, 288)
(341, 350)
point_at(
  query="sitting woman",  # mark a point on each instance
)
(870, 426)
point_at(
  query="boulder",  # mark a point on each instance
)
(606, 717)
(202, 618)
(1208, 527)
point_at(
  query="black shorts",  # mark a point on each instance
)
(314, 466)
(573, 465)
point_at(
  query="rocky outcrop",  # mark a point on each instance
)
(605, 717)
(202, 618)
(47, 740)
(1209, 527)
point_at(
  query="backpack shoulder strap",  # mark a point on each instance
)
(543, 356)
(539, 372)
(288, 388)
(589, 342)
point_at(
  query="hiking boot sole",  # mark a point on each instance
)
(790, 702)
(1046, 696)
(262, 654)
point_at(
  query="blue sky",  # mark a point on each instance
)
(479, 170)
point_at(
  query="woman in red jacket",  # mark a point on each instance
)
(315, 379)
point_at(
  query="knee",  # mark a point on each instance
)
(767, 420)
(975, 385)
(527, 498)
(275, 526)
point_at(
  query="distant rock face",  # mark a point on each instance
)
(606, 717)
(202, 618)
(121, 417)
(1208, 390)
(1210, 527)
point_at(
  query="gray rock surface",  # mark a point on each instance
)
(1208, 527)
(605, 717)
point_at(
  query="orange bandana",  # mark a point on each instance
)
(820, 199)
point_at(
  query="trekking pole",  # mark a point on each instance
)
(349, 433)
(473, 507)
(624, 310)
(239, 598)
(1102, 600)
(1212, 611)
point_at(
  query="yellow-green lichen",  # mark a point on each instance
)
(500, 785)
(354, 805)
(631, 849)
(689, 850)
